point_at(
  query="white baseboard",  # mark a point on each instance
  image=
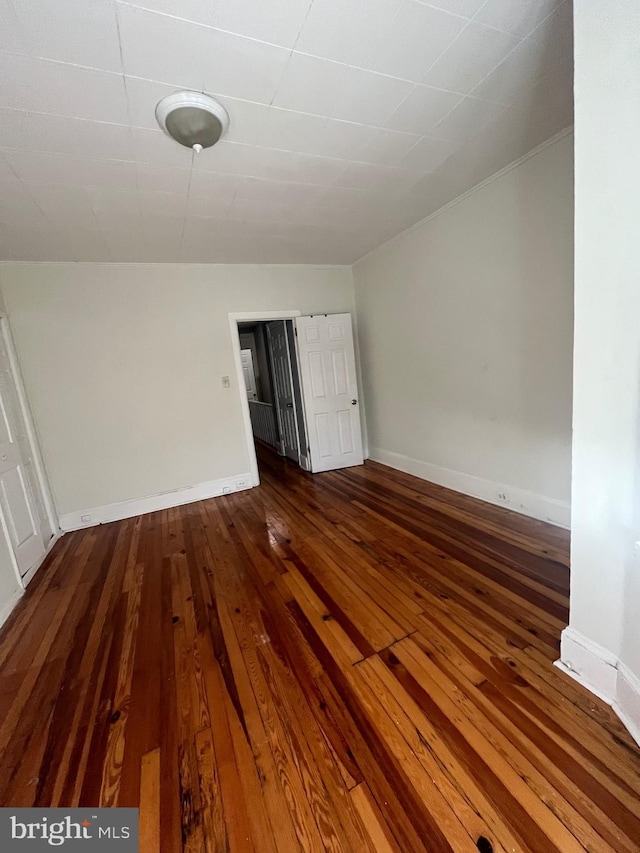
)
(519, 500)
(627, 701)
(28, 577)
(153, 503)
(588, 663)
(5, 612)
(603, 674)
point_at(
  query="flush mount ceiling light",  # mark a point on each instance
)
(192, 119)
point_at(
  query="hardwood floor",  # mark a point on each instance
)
(354, 661)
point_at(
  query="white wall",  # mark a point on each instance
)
(465, 333)
(603, 641)
(123, 368)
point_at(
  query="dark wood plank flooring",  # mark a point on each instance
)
(355, 661)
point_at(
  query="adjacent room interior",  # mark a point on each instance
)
(319, 422)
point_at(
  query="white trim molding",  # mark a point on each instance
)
(28, 576)
(603, 674)
(519, 500)
(82, 518)
(588, 663)
(627, 701)
(236, 317)
(7, 610)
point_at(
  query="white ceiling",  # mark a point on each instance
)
(350, 121)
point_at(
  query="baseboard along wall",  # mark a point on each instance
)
(7, 610)
(627, 701)
(603, 674)
(519, 500)
(152, 503)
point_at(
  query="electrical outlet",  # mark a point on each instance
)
(242, 484)
(503, 497)
(85, 519)
(226, 490)
(226, 383)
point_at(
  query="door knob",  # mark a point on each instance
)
(354, 402)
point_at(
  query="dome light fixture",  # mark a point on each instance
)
(193, 119)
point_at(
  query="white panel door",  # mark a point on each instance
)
(330, 391)
(246, 359)
(283, 388)
(20, 500)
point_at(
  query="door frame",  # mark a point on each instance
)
(38, 463)
(247, 317)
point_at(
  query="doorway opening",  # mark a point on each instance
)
(298, 388)
(272, 387)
